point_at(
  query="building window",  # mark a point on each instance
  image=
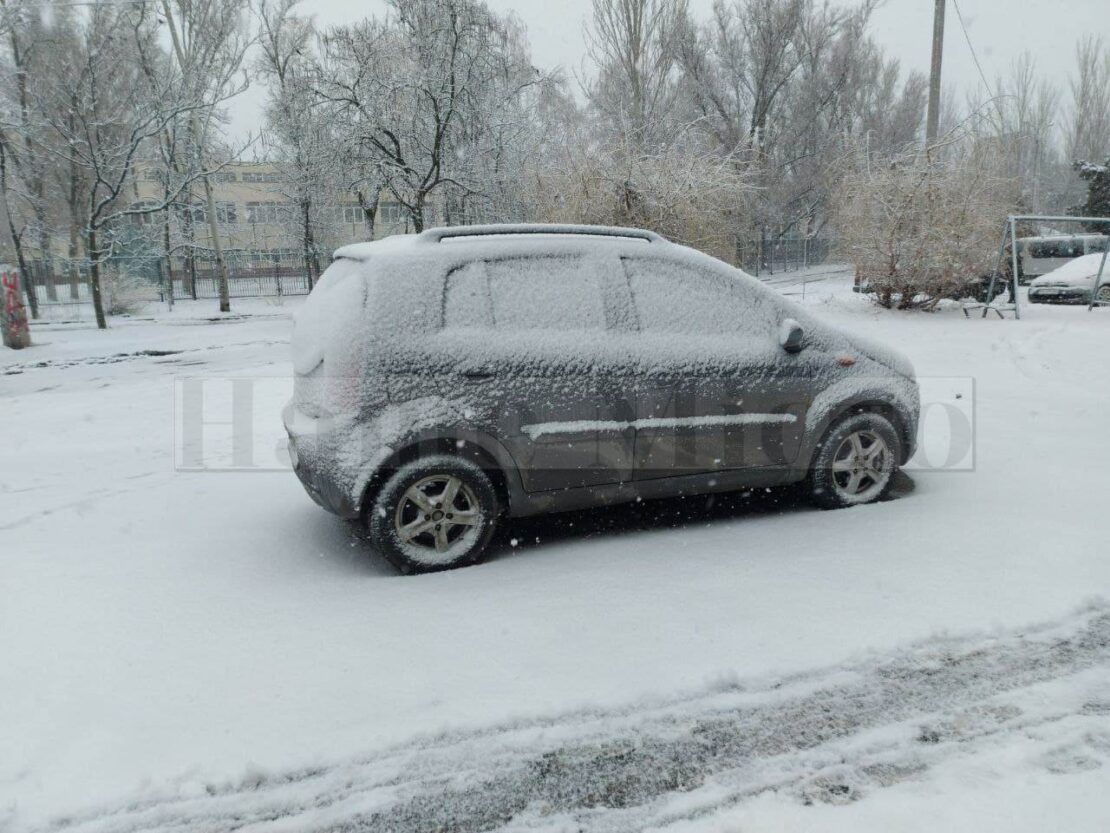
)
(268, 212)
(352, 212)
(258, 176)
(227, 214)
(391, 213)
(194, 213)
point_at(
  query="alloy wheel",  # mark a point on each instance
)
(861, 466)
(438, 517)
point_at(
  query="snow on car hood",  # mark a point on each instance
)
(1079, 272)
(885, 355)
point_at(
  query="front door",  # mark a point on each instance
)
(718, 393)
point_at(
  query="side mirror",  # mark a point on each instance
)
(791, 335)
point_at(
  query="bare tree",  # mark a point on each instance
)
(98, 122)
(414, 89)
(634, 46)
(1088, 127)
(304, 141)
(210, 43)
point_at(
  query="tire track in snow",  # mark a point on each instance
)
(825, 736)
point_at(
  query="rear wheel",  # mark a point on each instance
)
(434, 514)
(855, 462)
(1103, 293)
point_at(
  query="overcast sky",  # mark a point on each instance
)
(999, 30)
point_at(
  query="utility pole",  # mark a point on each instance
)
(933, 118)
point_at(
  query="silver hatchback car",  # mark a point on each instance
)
(447, 380)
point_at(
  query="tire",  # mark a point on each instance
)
(855, 462)
(436, 541)
(1103, 293)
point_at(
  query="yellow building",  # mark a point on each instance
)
(258, 220)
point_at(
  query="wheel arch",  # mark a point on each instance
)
(868, 404)
(481, 448)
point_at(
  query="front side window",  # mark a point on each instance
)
(675, 298)
(545, 293)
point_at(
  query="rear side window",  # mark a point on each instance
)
(674, 298)
(467, 302)
(545, 293)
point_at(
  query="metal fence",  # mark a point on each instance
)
(255, 283)
(770, 255)
(62, 286)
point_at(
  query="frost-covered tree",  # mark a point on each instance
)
(418, 93)
(1088, 127)
(209, 40)
(102, 119)
(302, 139)
(782, 84)
(634, 46)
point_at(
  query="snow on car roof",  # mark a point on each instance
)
(481, 233)
(1080, 270)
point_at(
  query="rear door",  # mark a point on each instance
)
(533, 344)
(718, 392)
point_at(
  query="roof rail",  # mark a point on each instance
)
(435, 235)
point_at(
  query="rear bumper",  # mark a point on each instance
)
(314, 465)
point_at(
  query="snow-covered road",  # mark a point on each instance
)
(833, 737)
(168, 638)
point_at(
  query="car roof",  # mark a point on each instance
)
(488, 236)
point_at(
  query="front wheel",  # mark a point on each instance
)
(1103, 293)
(855, 462)
(433, 514)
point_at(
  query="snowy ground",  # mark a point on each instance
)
(210, 651)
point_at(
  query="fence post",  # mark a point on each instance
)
(74, 280)
(45, 277)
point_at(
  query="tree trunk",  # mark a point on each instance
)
(17, 240)
(369, 211)
(307, 240)
(166, 257)
(94, 279)
(217, 249)
(13, 318)
(44, 249)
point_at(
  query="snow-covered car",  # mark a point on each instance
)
(449, 379)
(1071, 283)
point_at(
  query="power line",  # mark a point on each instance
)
(974, 56)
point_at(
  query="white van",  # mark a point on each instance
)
(1041, 255)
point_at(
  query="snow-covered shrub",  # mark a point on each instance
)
(920, 229)
(125, 294)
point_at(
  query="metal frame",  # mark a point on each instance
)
(1009, 231)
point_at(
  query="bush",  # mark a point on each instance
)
(126, 294)
(919, 230)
